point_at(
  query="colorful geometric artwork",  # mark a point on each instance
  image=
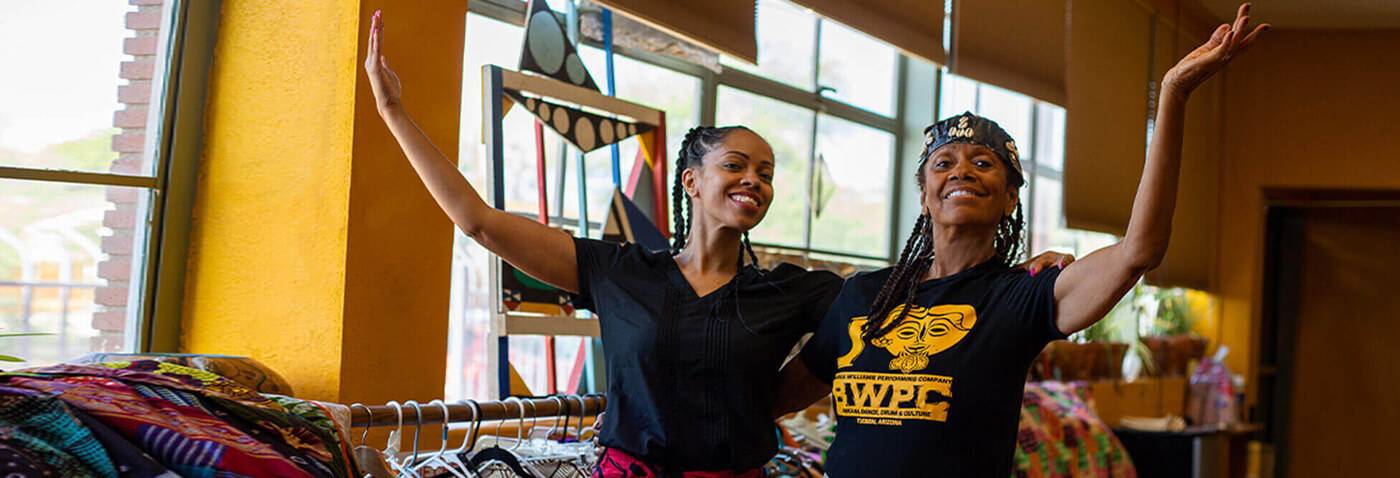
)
(522, 293)
(626, 223)
(547, 49)
(586, 131)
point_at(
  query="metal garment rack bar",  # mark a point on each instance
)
(388, 415)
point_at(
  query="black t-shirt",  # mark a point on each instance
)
(940, 395)
(691, 379)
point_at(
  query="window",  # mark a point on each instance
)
(81, 122)
(855, 217)
(860, 70)
(846, 118)
(786, 44)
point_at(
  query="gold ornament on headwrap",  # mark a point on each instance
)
(970, 128)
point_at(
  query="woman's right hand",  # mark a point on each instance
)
(381, 78)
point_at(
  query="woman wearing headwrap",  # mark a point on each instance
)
(927, 360)
(693, 336)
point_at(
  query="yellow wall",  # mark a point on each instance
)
(1303, 110)
(314, 248)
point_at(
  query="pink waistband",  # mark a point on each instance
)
(619, 464)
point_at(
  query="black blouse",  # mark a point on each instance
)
(691, 379)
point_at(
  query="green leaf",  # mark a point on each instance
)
(8, 358)
(26, 334)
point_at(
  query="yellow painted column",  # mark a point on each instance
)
(315, 249)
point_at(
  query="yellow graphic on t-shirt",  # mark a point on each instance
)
(890, 397)
(924, 332)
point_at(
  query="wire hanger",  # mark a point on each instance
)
(437, 459)
(495, 454)
(406, 465)
(369, 459)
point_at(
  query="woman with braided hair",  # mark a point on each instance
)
(693, 336)
(927, 360)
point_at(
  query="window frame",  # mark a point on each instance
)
(188, 52)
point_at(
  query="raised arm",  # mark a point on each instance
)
(538, 250)
(1088, 288)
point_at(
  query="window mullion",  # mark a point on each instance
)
(1032, 177)
(812, 138)
(709, 97)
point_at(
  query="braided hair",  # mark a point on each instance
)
(917, 258)
(698, 142)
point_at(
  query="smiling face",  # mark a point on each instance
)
(733, 184)
(966, 184)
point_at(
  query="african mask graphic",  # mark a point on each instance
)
(923, 333)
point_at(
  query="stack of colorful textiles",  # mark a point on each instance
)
(1061, 436)
(150, 419)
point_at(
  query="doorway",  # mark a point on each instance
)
(1330, 336)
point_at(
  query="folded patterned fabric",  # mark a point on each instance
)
(47, 419)
(167, 375)
(64, 464)
(1061, 436)
(130, 460)
(20, 463)
(297, 442)
(158, 409)
(333, 419)
(182, 436)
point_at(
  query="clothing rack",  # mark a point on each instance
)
(432, 414)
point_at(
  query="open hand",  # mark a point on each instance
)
(1046, 260)
(381, 78)
(1228, 41)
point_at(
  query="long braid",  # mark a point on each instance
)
(1009, 237)
(908, 272)
(900, 266)
(748, 246)
(678, 199)
(913, 263)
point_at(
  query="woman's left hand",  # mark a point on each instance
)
(1046, 260)
(1228, 41)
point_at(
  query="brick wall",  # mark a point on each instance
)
(129, 144)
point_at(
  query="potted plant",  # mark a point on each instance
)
(1096, 353)
(1170, 340)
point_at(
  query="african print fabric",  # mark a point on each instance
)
(131, 461)
(19, 463)
(156, 419)
(331, 420)
(46, 419)
(1061, 436)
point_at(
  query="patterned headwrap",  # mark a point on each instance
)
(970, 128)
